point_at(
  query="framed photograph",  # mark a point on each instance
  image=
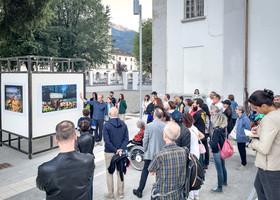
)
(58, 97)
(14, 98)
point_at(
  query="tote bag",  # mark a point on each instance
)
(201, 146)
(227, 150)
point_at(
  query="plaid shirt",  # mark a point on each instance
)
(170, 167)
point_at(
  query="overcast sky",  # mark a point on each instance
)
(122, 12)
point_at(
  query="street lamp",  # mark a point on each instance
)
(138, 11)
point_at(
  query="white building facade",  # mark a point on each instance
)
(125, 58)
(202, 44)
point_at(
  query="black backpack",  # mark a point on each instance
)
(195, 174)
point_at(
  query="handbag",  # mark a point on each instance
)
(201, 146)
(233, 132)
(227, 150)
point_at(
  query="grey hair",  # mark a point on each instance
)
(220, 120)
(65, 131)
(140, 124)
(215, 108)
(241, 108)
(277, 96)
(172, 130)
(158, 113)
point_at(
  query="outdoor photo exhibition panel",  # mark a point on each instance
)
(55, 98)
(14, 98)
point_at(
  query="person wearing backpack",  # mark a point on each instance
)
(216, 143)
(167, 164)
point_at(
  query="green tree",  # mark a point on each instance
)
(80, 29)
(18, 20)
(146, 46)
(63, 28)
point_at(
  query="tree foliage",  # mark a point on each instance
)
(61, 28)
(18, 20)
(146, 46)
(121, 68)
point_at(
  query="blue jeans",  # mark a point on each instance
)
(221, 170)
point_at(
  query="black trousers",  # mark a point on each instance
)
(267, 184)
(99, 129)
(205, 143)
(242, 152)
(144, 176)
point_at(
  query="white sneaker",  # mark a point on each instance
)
(100, 143)
(242, 167)
(196, 197)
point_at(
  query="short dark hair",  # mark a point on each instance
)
(112, 92)
(182, 98)
(199, 101)
(218, 96)
(260, 97)
(158, 113)
(231, 97)
(188, 120)
(65, 130)
(84, 125)
(168, 96)
(86, 112)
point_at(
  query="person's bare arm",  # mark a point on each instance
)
(82, 98)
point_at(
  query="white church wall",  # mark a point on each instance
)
(234, 48)
(264, 46)
(194, 49)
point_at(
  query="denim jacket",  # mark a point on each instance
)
(242, 124)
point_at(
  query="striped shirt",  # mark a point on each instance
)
(170, 167)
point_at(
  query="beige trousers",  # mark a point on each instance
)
(122, 117)
(110, 178)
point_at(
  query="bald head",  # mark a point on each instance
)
(172, 131)
(113, 112)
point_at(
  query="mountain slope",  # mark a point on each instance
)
(122, 37)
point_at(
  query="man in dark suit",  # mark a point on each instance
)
(68, 175)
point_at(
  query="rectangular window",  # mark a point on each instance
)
(130, 59)
(194, 8)
(120, 58)
(113, 66)
(125, 59)
(106, 66)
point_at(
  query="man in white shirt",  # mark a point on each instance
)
(209, 100)
(217, 102)
(166, 99)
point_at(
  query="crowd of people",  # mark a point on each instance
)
(169, 131)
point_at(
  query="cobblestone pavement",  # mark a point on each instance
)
(18, 182)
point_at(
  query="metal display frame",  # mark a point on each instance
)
(32, 64)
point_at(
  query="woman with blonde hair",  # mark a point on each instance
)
(180, 106)
(216, 143)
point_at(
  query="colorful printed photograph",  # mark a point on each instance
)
(13, 98)
(58, 97)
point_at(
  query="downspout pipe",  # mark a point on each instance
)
(246, 94)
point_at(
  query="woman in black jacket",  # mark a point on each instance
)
(228, 113)
(149, 110)
(216, 143)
